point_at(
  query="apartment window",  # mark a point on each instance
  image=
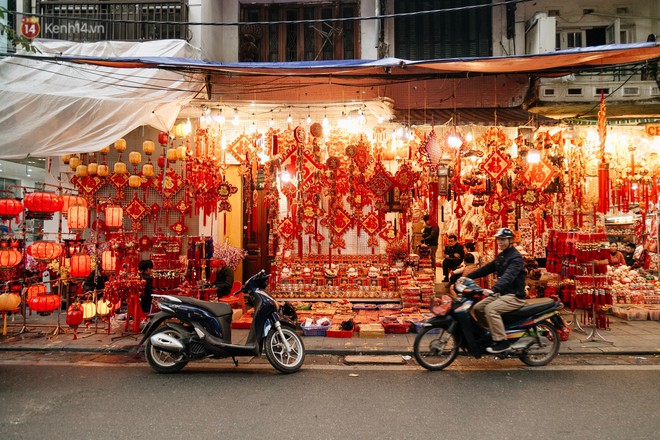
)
(114, 20)
(461, 33)
(322, 40)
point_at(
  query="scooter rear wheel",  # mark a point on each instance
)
(164, 361)
(539, 355)
(435, 348)
(276, 352)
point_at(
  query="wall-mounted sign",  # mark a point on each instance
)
(653, 129)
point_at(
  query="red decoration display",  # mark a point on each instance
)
(45, 250)
(42, 204)
(495, 165)
(77, 217)
(9, 257)
(45, 304)
(10, 208)
(81, 265)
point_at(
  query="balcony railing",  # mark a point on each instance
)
(113, 20)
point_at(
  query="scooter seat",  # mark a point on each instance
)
(532, 307)
(218, 309)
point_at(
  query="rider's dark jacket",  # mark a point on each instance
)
(510, 272)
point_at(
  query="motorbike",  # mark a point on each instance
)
(187, 329)
(531, 330)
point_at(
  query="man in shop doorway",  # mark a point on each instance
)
(453, 257)
(430, 235)
(145, 267)
(224, 280)
(508, 292)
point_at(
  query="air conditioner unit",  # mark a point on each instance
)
(540, 34)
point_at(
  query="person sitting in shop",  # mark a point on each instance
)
(95, 281)
(615, 257)
(641, 257)
(430, 235)
(469, 266)
(145, 267)
(470, 248)
(224, 279)
(629, 254)
(453, 257)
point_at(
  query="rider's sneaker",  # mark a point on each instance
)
(498, 347)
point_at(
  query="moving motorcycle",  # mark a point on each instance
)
(531, 330)
(187, 329)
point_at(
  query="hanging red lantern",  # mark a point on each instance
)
(114, 216)
(108, 261)
(69, 200)
(10, 208)
(162, 138)
(77, 217)
(9, 257)
(35, 290)
(45, 304)
(43, 204)
(74, 315)
(81, 265)
(44, 250)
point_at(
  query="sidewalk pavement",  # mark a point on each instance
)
(623, 338)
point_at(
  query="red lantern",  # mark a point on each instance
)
(9, 257)
(10, 208)
(77, 217)
(43, 204)
(81, 265)
(162, 138)
(35, 290)
(45, 250)
(109, 261)
(70, 200)
(45, 304)
(74, 315)
(114, 216)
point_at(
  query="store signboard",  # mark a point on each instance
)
(653, 129)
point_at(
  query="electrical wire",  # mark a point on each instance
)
(305, 21)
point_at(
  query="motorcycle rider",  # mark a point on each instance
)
(508, 293)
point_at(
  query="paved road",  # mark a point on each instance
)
(63, 397)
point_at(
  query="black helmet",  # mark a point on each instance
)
(504, 233)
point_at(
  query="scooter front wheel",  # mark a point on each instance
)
(164, 361)
(545, 347)
(286, 361)
(435, 348)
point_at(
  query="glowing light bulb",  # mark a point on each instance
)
(271, 122)
(285, 177)
(308, 120)
(533, 156)
(289, 119)
(454, 141)
(236, 119)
